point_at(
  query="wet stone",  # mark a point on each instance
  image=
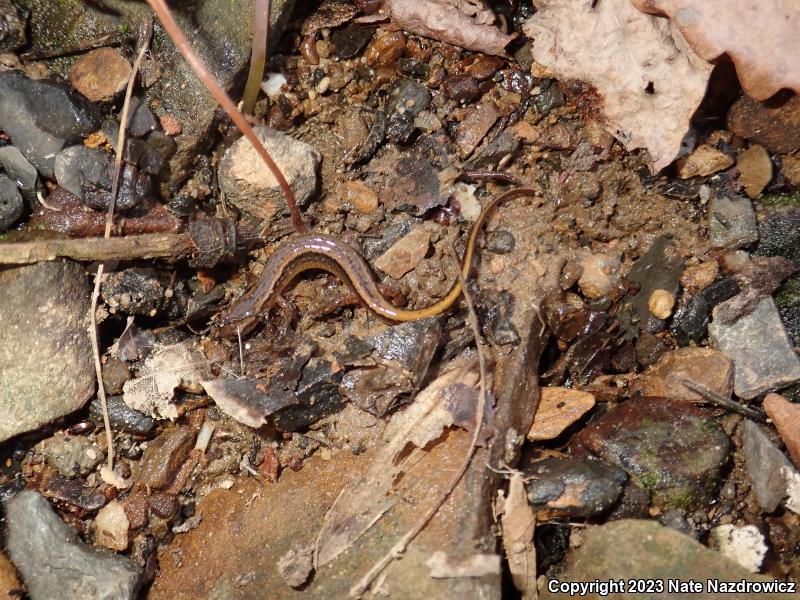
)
(385, 49)
(11, 203)
(461, 88)
(141, 119)
(74, 495)
(672, 450)
(774, 123)
(71, 456)
(698, 277)
(134, 291)
(122, 417)
(412, 344)
(549, 98)
(37, 536)
(406, 253)
(111, 527)
(649, 348)
(77, 165)
(350, 40)
(706, 366)
(417, 187)
(572, 487)
(137, 152)
(471, 131)
(164, 457)
(100, 74)
(253, 189)
(499, 147)
(598, 274)
(759, 347)
(731, 222)
(19, 170)
(690, 321)
(779, 229)
(46, 368)
(164, 506)
(250, 401)
(765, 465)
(406, 100)
(652, 552)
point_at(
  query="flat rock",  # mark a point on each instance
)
(558, 409)
(46, 368)
(705, 160)
(763, 357)
(253, 189)
(785, 416)
(674, 451)
(706, 366)
(406, 253)
(774, 123)
(731, 222)
(100, 74)
(54, 563)
(651, 552)
(766, 466)
(19, 169)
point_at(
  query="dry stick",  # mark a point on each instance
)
(397, 550)
(222, 98)
(147, 30)
(258, 54)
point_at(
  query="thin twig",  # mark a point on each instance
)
(397, 550)
(222, 98)
(716, 398)
(146, 32)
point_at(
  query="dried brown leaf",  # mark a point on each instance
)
(761, 38)
(465, 23)
(649, 80)
(518, 523)
(366, 500)
(168, 367)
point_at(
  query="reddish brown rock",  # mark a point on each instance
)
(774, 123)
(705, 366)
(786, 417)
(475, 126)
(558, 409)
(100, 74)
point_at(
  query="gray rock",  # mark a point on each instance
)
(763, 357)
(71, 456)
(219, 30)
(252, 188)
(141, 119)
(19, 169)
(573, 487)
(764, 464)
(46, 368)
(16, 119)
(54, 563)
(631, 550)
(77, 164)
(11, 204)
(405, 101)
(731, 222)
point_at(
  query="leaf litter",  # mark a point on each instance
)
(649, 80)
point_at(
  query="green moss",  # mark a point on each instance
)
(781, 200)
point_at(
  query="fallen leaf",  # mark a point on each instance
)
(519, 522)
(459, 22)
(168, 367)
(476, 565)
(363, 502)
(649, 80)
(761, 38)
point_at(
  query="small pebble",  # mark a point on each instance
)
(698, 277)
(405, 253)
(704, 161)
(385, 49)
(755, 170)
(661, 303)
(500, 242)
(360, 195)
(111, 527)
(100, 74)
(599, 275)
(170, 124)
